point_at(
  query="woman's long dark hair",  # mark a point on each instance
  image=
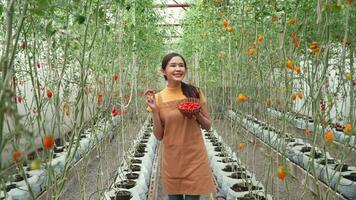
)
(188, 90)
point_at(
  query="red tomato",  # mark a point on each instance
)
(49, 94)
(48, 142)
(16, 155)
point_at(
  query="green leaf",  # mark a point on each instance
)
(80, 19)
(1, 8)
(49, 29)
(43, 4)
(37, 11)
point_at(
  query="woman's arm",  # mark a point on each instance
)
(203, 118)
(157, 125)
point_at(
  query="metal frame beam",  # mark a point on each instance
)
(171, 5)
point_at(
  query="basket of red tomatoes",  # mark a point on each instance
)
(189, 107)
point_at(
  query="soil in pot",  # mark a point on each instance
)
(226, 160)
(144, 141)
(339, 129)
(256, 121)
(327, 161)
(222, 155)
(141, 148)
(317, 155)
(243, 187)
(239, 175)
(58, 149)
(18, 177)
(351, 177)
(217, 144)
(218, 149)
(135, 168)
(136, 161)
(122, 195)
(58, 142)
(213, 140)
(305, 149)
(297, 144)
(232, 168)
(251, 197)
(139, 154)
(290, 140)
(10, 187)
(132, 175)
(127, 184)
(342, 168)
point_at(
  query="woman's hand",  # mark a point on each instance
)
(150, 99)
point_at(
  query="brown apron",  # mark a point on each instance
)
(185, 162)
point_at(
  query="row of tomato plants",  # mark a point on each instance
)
(66, 63)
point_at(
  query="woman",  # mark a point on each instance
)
(186, 171)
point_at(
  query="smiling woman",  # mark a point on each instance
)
(186, 169)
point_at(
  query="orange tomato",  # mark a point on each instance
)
(100, 98)
(294, 97)
(226, 23)
(292, 21)
(251, 51)
(260, 38)
(116, 77)
(48, 142)
(349, 2)
(289, 64)
(313, 45)
(281, 172)
(242, 98)
(307, 132)
(297, 69)
(329, 136)
(241, 146)
(314, 48)
(275, 18)
(16, 155)
(348, 128)
(229, 29)
(344, 41)
(300, 95)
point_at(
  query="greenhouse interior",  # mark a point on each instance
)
(177, 99)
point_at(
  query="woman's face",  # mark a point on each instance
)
(175, 69)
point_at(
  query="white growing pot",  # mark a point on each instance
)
(111, 193)
(347, 187)
(232, 195)
(140, 189)
(227, 182)
(20, 193)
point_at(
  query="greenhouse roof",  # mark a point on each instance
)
(172, 12)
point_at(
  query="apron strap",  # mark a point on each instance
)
(159, 99)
